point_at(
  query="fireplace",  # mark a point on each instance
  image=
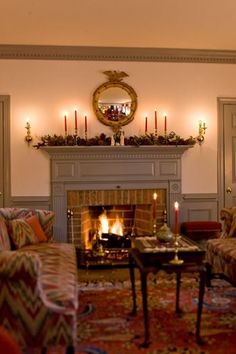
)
(120, 177)
(131, 209)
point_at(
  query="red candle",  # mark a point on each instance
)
(154, 206)
(165, 125)
(76, 127)
(65, 121)
(155, 121)
(146, 124)
(85, 124)
(176, 218)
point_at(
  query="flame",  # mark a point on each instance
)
(115, 228)
(104, 227)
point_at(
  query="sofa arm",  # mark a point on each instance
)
(19, 265)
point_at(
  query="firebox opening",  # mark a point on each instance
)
(113, 225)
(127, 212)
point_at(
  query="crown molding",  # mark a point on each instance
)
(177, 55)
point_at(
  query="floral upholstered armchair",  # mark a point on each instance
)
(38, 281)
(221, 252)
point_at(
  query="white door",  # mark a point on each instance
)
(4, 151)
(227, 152)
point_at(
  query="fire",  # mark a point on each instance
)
(104, 224)
(105, 227)
(117, 227)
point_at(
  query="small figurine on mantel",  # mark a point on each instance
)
(118, 138)
(164, 234)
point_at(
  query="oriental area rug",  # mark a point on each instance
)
(105, 325)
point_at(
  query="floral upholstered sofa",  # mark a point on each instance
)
(221, 252)
(38, 281)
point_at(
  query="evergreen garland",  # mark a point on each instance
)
(104, 140)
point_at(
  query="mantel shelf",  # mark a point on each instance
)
(116, 150)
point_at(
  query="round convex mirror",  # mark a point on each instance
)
(115, 102)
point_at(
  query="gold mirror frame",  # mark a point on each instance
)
(114, 81)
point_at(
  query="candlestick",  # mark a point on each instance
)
(176, 218)
(65, 121)
(76, 126)
(165, 125)
(146, 125)
(156, 123)
(176, 259)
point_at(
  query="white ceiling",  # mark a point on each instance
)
(196, 24)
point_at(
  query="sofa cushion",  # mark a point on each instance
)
(221, 255)
(228, 215)
(58, 278)
(4, 237)
(33, 221)
(22, 233)
(46, 217)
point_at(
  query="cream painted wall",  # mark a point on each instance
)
(43, 90)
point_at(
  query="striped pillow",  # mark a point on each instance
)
(22, 233)
(4, 237)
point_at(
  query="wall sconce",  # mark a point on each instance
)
(201, 132)
(28, 137)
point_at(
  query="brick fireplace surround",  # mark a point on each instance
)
(84, 177)
(132, 206)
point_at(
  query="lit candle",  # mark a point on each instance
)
(155, 122)
(165, 125)
(176, 218)
(146, 125)
(65, 121)
(76, 127)
(154, 206)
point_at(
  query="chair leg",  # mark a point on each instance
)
(208, 275)
(70, 349)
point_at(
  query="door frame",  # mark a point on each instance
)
(221, 101)
(5, 100)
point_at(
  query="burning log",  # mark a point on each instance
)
(111, 240)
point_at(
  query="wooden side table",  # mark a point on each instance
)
(153, 259)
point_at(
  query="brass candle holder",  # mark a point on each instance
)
(154, 228)
(201, 132)
(176, 259)
(28, 137)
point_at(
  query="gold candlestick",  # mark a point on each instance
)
(176, 259)
(154, 228)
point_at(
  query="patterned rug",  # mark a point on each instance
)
(105, 325)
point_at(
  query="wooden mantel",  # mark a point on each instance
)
(112, 167)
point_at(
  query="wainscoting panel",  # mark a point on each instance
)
(200, 207)
(31, 202)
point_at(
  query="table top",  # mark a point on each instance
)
(149, 251)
